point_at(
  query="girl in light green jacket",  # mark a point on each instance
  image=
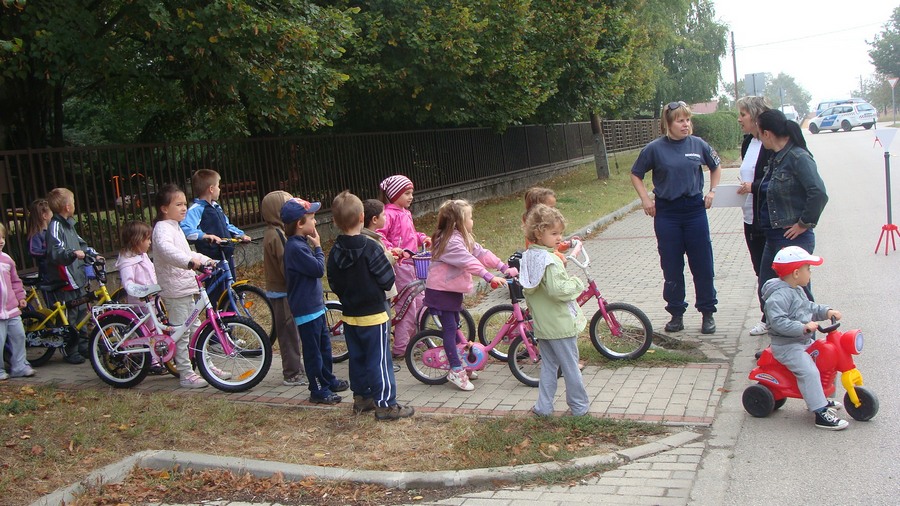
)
(550, 293)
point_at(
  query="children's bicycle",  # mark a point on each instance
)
(49, 329)
(400, 305)
(618, 331)
(232, 353)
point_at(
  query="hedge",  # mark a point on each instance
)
(719, 129)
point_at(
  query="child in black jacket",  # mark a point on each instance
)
(359, 274)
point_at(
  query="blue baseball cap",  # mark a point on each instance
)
(296, 208)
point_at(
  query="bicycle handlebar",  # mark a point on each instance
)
(578, 247)
(830, 328)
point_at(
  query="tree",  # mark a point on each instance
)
(876, 90)
(793, 94)
(885, 52)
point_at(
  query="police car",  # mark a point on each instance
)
(844, 116)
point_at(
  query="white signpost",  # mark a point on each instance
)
(885, 136)
(893, 81)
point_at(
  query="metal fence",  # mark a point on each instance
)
(115, 184)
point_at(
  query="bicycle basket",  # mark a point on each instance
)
(421, 262)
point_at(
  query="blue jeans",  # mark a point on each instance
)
(316, 346)
(775, 241)
(681, 228)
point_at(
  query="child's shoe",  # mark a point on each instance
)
(329, 398)
(363, 404)
(460, 379)
(225, 375)
(835, 405)
(473, 375)
(3, 375)
(340, 386)
(26, 372)
(193, 380)
(394, 412)
(759, 329)
(294, 381)
(826, 419)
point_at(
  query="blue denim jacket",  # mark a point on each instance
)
(796, 193)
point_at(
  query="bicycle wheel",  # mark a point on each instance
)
(114, 366)
(490, 325)
(423, 357)
(428, 321)
(253, 304)
(245, 367)
(631, 338)
(523, 367)
(334, 314)
(37, 355)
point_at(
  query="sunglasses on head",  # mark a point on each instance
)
(675, 105)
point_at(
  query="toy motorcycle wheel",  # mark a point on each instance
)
(758, 401)
(867, 410)
(779, 403)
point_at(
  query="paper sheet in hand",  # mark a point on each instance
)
(727, 196)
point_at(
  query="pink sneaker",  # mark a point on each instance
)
(460, 379)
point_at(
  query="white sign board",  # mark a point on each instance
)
(885, 136)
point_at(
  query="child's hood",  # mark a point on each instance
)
(771, 286)
(126, 260)
(270, 208)
(533, 264)
(347, 250)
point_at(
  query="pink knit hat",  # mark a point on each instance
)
(394, 186)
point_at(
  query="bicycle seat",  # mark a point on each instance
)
(31, 279)
(52, 286)
(141, 291)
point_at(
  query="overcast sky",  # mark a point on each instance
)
(821, 44)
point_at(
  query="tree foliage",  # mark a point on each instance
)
(885, 52)
(793, 93)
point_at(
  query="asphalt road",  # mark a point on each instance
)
(784, 459)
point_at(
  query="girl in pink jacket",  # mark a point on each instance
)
(455, 258)
(12, 301)
(399, 233)
(135, 267)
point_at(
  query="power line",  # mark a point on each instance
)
(806, 36)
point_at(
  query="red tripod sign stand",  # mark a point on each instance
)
(889, 230)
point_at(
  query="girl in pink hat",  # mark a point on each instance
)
(400, 233)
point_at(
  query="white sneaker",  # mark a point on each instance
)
(193, 380)
(27, 372)
(225, 375)
(759, 329)
(460, 379)
(473, 375)
(4, 376)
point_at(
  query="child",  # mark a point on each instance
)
(792, 321)
(276, 288)
(206, 224)
(39, 215)
(174, 261)
(455, 258)
(65, 264)
(550, 293)
(12, 301)
(373, 219)
(359, 274)
(304, 266)
(135, 267)
(399, 233)
(537, 195)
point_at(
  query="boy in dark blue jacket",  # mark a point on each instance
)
(359, 273)
(304, 266)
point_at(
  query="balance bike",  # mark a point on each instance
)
(775, 383)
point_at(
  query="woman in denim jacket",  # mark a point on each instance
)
(791, 195)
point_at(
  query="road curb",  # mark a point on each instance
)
(167, 459)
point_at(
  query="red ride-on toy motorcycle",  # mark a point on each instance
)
(832, 355)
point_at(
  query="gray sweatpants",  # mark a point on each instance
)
(794, 357)
(559, 354)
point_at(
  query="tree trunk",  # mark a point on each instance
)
(601, 160)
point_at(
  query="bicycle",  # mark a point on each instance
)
(619, 331)
(400, 305)
(129, 337)
(49, 329)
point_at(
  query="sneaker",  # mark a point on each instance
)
(709, 324)
(27, 372)
(193, 380)
(362, 404)
(396, 367)
(340, 386)
(3, 375)
(473, 375)
(73, 358)
(330, 398)
(759, 329)
(295, 381)
(394, 412)
(460, 379)
(829, 421)
(225, 375)
(676, 324)
(835, 405)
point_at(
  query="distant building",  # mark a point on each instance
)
(705, 107)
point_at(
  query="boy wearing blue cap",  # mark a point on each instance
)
(304, 266)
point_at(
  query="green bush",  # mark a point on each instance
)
(719, 129)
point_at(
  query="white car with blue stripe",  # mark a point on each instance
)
(844, 117)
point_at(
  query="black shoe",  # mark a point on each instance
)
(829, 421)
(340, 386)
(396, 367)
(73, 358)
(328, 399)
(709, 324)
(676, 324)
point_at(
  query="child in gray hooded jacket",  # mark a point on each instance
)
(792, 321)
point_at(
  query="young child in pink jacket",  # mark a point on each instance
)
(135, 267)
(399, 233)
(455, 258)
(12, 301)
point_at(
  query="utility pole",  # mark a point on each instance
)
(734, 65)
